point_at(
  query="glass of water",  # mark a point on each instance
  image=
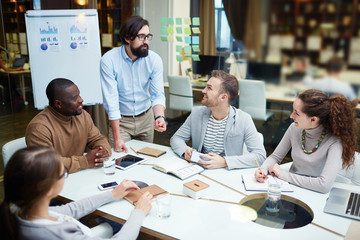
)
(109, 166)
(163, 206)
(273, 198)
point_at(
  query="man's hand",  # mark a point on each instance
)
(188, 153)
(160, 125)
(95, 156)
(261, 175)
(214, 161)
(275, 170)
(119, 145)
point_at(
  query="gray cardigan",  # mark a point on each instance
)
(316, 171)
(78, 209)
(239, 129)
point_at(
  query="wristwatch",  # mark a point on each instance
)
(160, 116)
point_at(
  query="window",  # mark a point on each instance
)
(224, 38)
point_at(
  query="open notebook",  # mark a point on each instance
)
(178, 167)
(251, 184)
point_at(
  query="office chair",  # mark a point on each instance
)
(252, 99)
(11, 147)
(180, 93)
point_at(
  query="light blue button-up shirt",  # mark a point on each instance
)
(126, 84)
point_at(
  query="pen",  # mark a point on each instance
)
(257, 163)
(134, 150)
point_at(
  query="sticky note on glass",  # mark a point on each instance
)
(178, 21)
(179, 58)
(195, 40)
(187, 39)
(170, 38)
(163, 21)
(170, 30)
(170, 21)
(163, 38)
(196, 30)
(187, 55)
(187, 49)
(178, 30)
(178, 48)
(196, 21)
(187, 31)
(187, 21)
(163, 30)
(179, 38)
(195, 57)
(195, 48)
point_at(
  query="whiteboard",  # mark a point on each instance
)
(64, 44)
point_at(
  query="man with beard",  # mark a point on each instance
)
(67, 128)
(219, 130)
(127, 73)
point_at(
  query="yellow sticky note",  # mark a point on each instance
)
(196, 30)
(170, 30)
(187, 31)
(187, 21)
(170, 38)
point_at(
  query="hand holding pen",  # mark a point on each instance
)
(260, 174)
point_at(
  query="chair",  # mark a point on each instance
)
(11, 147)
(180, 93)
(252, 99)
(352, 175)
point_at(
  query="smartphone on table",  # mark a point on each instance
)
(108, 185)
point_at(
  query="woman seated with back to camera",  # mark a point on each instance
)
(35, 175)
(322, 139)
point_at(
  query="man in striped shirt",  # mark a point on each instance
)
(219, 130)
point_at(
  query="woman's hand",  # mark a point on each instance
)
(125, 187)
(275, 170)
(261, 175)
(144, 203)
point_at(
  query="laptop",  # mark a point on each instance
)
(19, 62)
(344, 203)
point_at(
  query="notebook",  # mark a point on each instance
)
(151, 152)
(155, 190)
(344, 203)
(251, 184)
(178, 167)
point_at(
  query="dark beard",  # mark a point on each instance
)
(140, 52)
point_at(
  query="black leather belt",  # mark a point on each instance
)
(139, 115)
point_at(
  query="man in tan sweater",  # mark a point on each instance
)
(67, 128)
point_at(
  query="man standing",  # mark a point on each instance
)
(127, 73)
(67, 128)
(219, 130)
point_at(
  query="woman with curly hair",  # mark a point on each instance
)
(322, 139)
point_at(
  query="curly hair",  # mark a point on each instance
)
(337, 116)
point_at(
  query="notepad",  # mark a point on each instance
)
(178, 167)
(154, 190)
(251, 184)
(151, 152)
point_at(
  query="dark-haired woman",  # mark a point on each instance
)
(33, 176)
(322, 139)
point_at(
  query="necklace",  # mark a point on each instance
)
(317, 145)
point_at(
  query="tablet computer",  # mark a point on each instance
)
(128, 161)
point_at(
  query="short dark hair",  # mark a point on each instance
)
(229, 83)
(335, 65)
(130, 28)
(55, 89)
